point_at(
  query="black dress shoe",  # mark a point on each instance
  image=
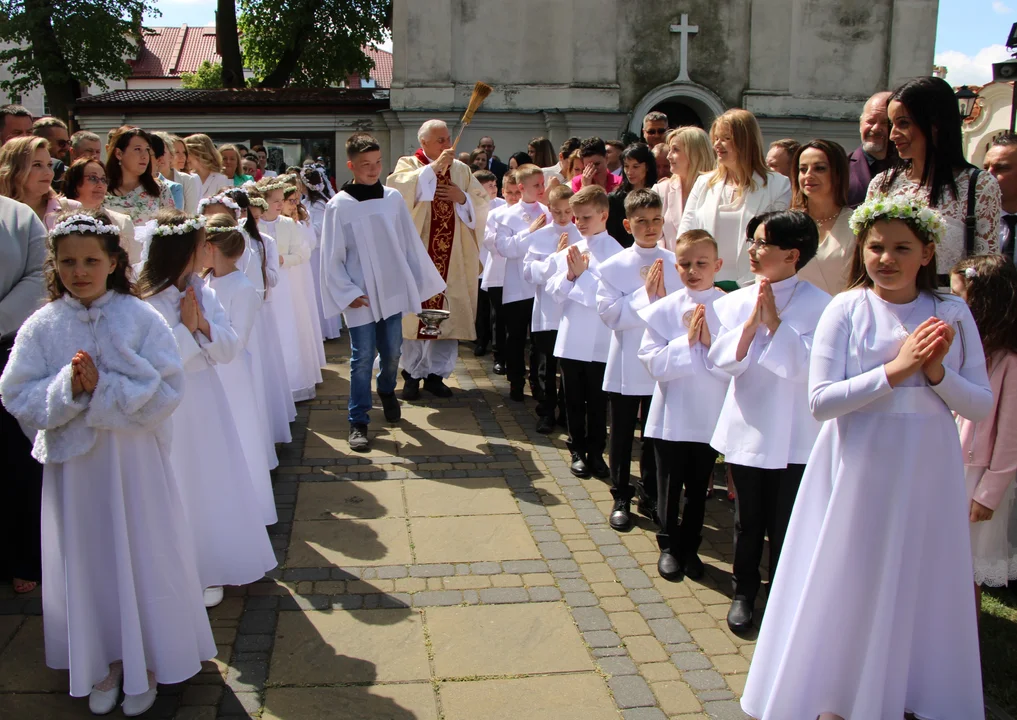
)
(598, 467)
(389, 403)
(435, 385)
(516, 393)
(545, 425)
(480, 350)
(669, 567)
(411, 387)
(620, 518)
(578, 467)
(358, 438)
(739, 617)
(694, 568)
(499, 368)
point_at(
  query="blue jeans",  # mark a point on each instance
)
(385, 338)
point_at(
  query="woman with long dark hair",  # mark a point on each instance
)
(926, 130)
(639, 172)
(133, 190)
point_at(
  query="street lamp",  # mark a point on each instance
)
(966, 98)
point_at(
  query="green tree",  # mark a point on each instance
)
(309, 43)
(64, 45)
(208, 76)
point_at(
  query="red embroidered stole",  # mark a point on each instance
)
(440, 237)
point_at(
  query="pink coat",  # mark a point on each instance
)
(978, 439)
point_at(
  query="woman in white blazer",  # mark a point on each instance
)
(722, 202)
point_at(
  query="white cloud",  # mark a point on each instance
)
(1001, 8)
(966, 70)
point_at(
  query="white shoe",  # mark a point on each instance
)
(137, 704)
(102, 702)
(213, 596)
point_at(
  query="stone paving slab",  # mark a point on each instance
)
(457, 571)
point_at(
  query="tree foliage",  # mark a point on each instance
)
(310, 43)
(65, 44)
(208, 76)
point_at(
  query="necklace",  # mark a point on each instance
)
(821, 223)
(901, 332)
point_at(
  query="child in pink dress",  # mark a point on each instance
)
(989, 285)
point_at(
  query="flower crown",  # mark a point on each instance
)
(216, 229)
(196, 222)
(905, 206)
(258, 202)
(318, 186)
(275, 185)
(218, 200)
(82, 223)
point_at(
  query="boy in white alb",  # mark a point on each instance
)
(512, 238)
(492, 279)
(766, 430)
(583, 338)
(629, 282)
(538, 267)
(489, 182)
(686, 402)
(374, 269)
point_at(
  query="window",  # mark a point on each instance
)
(368, 83)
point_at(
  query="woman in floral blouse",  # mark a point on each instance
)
(133, 190)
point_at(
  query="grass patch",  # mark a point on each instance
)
(999, 646)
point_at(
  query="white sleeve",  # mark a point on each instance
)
(427, 183)
(620, 311)
(224, 344)
(466, 213)
(967, 392)
(667, 360)
(337, 287)
(690, 216)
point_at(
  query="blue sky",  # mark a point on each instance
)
(971, 33)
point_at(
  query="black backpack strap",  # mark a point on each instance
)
(969, 220)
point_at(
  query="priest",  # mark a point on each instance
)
(449, 209)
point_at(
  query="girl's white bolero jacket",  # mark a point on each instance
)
(141, 377)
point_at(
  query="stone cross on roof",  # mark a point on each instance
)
(684, 29)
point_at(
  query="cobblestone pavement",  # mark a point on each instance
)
(458, 571)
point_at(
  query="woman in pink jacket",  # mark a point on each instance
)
(989, 285)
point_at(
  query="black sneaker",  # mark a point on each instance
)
(545, 425)
(435, 385)
(389, 403)
(499, 368)
(358, 438)
(411, 387)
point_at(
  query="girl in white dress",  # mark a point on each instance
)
(302, 346)
(97, 373)
(989, 285)
(242, 304)
(312, 181)
(303, 276)
(273, 402)
(230, 537)
(871, 613)
(265, 343)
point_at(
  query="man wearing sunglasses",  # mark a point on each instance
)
(54, 131)
(654, 128)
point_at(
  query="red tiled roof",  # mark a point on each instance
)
(167, 52)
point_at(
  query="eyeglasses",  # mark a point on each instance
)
(96, 180)
(758, 244)
(655, 131)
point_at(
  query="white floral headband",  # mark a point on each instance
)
(317, 187)
(191, 224)
(258, 202)
(224, 200)
(82, 223)
(905, 206)
(269, 187)
(217, 229)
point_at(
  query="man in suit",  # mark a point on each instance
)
(875, 154)
(1001, 163)
(494, 164)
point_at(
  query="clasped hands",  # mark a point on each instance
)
(578, 263)
(765, 312)
(84, 374)
(699, 331)
(655, 280)
(191, 315)
(923, 350)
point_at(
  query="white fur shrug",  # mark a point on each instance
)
(141, 377)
